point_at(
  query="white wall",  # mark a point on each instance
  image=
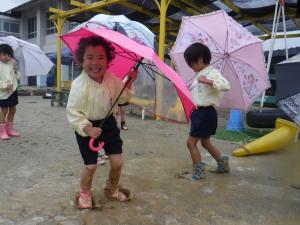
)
(46, 42)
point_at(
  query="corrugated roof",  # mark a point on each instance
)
(8, 5)
(255, 15)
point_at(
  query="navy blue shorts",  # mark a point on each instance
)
(111, 137)
(204, 122)
(11, 101)
(124, 104)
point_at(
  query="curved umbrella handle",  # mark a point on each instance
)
(93, 148)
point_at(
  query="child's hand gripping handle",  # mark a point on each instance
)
(132, 77)
(95, 148)
(93, 132)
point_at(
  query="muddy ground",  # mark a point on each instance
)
(40, 177)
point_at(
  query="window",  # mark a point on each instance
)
(32, 27)
(51, 29)
(72, 25)
(9, 28)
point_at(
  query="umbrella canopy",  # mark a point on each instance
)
(291, 106)
(128, 52)
(132, 29)
(32, 61)
(66, 57)
(235, 52)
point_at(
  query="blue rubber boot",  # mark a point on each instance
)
(223, 165)
(198, 171)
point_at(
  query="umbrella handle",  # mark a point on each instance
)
(93, 148)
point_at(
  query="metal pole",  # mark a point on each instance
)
(59, 26)
(273, 38)
(72, 72)
(162, 35)
(284, 30)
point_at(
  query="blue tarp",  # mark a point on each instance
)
(66, 59)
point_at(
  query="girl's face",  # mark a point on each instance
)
(95, 61)
(198, 66)
(5, 58)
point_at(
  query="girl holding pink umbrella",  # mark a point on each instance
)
(91, 96)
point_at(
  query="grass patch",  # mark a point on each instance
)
(241, 136)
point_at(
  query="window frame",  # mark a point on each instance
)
(50, 26)
(32, 31)
(6, 28)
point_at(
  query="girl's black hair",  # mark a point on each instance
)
(94, 41)
(6, 50)
(195, 52)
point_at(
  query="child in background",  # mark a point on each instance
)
(102, 157)
(122, 111)
(207, 91)
(91, 97)
(9, 76)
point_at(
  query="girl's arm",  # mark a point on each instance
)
(129, 91)
(3, 82)
(75, 111)
(132, 76)
(16, 72)
(218, 81)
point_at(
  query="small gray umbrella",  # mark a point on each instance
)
(291, 106)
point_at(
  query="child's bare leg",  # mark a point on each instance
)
(122, 113)
(215, 153)
(11, 114)
(198, 166)
(85, 196)
(87, 176)
(116, 163)
(3, 114)
(112, 184)
(222, 161)
(194, 151)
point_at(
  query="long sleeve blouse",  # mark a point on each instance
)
(8, 76)
(89, 100)
(209, 95)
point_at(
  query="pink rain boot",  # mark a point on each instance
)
(3, 134)
(10, 130)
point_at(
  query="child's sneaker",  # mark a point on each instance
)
(101, 158)
(104, 156)
(223, 166)
(198, 171)
(100, 161)
(123, 126)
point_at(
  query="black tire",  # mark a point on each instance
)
(264, 118)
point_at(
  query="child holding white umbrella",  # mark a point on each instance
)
(9, 76)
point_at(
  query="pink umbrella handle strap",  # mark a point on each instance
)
(93, 148)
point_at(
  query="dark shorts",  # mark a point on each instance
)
(124, 104)
(11, 101)
(204, 122)
(111, 137)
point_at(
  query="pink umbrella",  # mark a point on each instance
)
(128, 54)
(235, 52)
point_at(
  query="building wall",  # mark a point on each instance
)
(47, 42)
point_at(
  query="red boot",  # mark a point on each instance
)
(10, 130)
(3, 134)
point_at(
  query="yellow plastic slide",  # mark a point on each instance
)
(285, 133)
